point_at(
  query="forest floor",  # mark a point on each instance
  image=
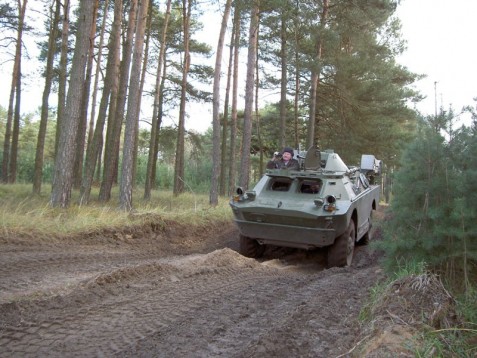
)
(178, 291)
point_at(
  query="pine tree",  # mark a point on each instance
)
(63, 176)
(433, 215)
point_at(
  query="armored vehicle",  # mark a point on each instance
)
(324, 204)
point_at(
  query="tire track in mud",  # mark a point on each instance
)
(45, 272)
(219, 304)
(286, 314)
(37, 267)
(128, 312)
(134, 299)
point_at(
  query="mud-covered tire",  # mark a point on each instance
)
(341, 252)
(250, 247)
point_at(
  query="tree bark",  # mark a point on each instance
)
(115, 119)
(249, 85)
(9, 147)
(81, 134)
(225, 127)
(126, 183)
(179, 165)
(296, 101)
(12, 176)
(8, 126)
(214, 195)
(62, 75)
(40, 144)
(159, 121)
(108, 100)
(315, 78)
(141, 89)
(283, 81)
(96, 75)
(257, 119)
(152, 155)
(233, 117)
(63, 172)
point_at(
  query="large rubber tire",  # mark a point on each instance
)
(250, 247)
(369, 234)
(340, 254)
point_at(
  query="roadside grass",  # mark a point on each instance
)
(454, 341)
(459, 341)
(376, 292)
(22, 212)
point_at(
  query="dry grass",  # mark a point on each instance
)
(21, 212)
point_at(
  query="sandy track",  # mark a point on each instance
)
(185, 295)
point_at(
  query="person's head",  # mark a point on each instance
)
(287, 153)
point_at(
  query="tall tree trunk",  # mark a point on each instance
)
(115, 119)
(99, 157)
(297, 83)
(126, 184)
(81, 134)
(109, 95)
(8, 127)
(160, 112)
(63, 72)
(179, 165)
(257, 120)
(214, 195)
(152, 155)
(223, 160)
(233, 117)
(283, 81)
(315, 78)
(313, 102)
(12, 177)
(96, 76)
(9, 149)
(64, 162)
(141, 89)
(40, 144)
(249, 85)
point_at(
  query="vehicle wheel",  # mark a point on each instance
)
(250, 247)
(369, 234)
(341, 252)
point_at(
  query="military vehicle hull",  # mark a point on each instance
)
(324, 205)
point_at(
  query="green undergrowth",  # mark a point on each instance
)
(23, 213)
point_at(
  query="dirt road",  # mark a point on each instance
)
(176, 292)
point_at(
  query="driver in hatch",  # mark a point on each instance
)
(284, 161)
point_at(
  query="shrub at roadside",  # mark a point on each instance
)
(433, 220)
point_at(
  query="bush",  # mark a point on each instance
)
(433, 216)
